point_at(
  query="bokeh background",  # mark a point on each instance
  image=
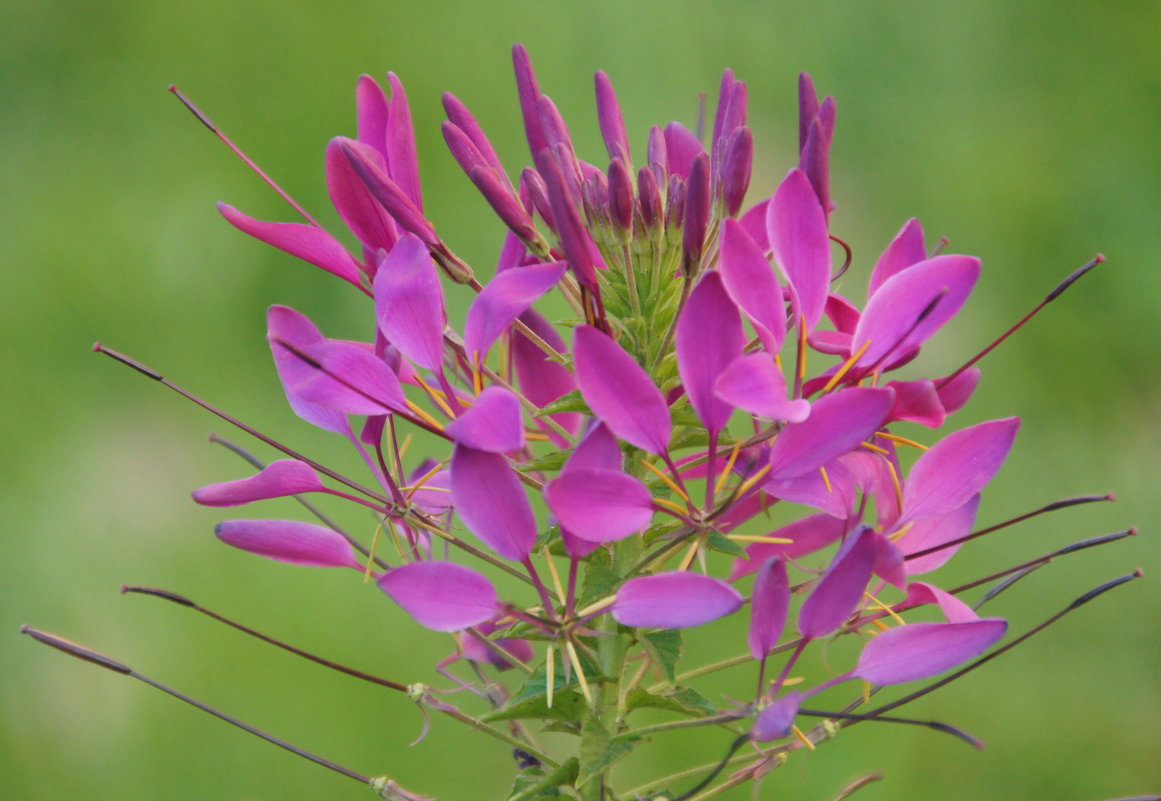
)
(1027, 132)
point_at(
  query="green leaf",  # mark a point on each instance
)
(598, 751)
(720, 542)
(549, 462)
(571, 402)
(531, 701)
(689, 438)
(685, 700)
(532, 784)
(600, 581)
(664, 648)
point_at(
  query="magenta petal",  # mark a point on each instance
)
(289, 541)
(441, 596)
(371, 107)
(287, 325)
(597, 450)
(838, 423)
(674, 601)
(957, 392)
(276, 480)
(402, 161)
(599, 505)
(409, 303)
(348, 378)
(362, 214)
(889, 562)
(932, 531)
(751, 283)
(955, 610)
(917, 402)
(542, 380)
(493, 423)
(836, 495)
(768, 607)
(307, 242)
(891, 320)
(709, 338)
(755, 383)
(681, 148)
(620, 392)
(905, 250)
(505, 298)
(919, 650)
(807, 535)
(492, 502)
(796, 226)
(841, 588)
(612, 124)
(775, 721)
(956, 468)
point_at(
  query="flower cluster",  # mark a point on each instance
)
(624, 464)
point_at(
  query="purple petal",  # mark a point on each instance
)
(573, 235)
(541, 380)
(287, 325)
(371, 105)
(599, 505)
(919, 650)
(529, 99)
(681, 148)
(502, 200)
(289, 541)
(674, 601)
(737, 162)
(307, 242)
(505, 298)
(906, 249)
(796, 226)
(597, 450)
(955, 610)
(838, 423)
(409, 303)
(696, 216)
(775, 721)
(620, 392)
(609, 116)
(709, 338)
(815, 160)
(891, 320)
(402, 161)
(889, 562)
(753, 222)
(807, 535)
(493, 423)
(441, 596)
(276, 480)
(957, 392)
(836, 495)
(768, 607)
(362, 214)
(389, 194)
(956, 468)
(840, 590)
(492, 502)
(459, 116)
(755, 383)
(475, 650)
(917, 402)
(933, 531)
(348, 378)
(807, 107)
(751, 283)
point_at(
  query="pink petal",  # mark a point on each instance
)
(289, 541)
(620, 392)
(775, 721)
(597, 450)
(505, 298)
(276, 480)
(371, 105)
(599, 505)
(753, 222)
(906, 249)
(807, 535)
(932, 531)
(409, 303)
(836, 495)
(492, 503)
(798, 236)
(541, 380)
(955, 610)
(768, 607)
(402, 161)
(838, 422)
(347, 378)
(529, 99)
(307, 242)
(957, 392)
(751, 283)
(917, 402)
(612, 124)
(891, 320)
(841, 588)
(287, 325)
(755, 383)
(681, 148)
(361, 212)
(441, 596)
(709, 337)
(956, 468)
(919, 650)
(493, 423)
(674, 601)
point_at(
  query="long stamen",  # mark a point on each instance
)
(931, 724)
(204, 120)
(847, 365)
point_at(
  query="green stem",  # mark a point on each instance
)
(674, 725)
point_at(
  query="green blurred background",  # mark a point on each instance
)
(1027, 132)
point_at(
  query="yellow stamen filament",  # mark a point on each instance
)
(371, 555)
(874, 448)
(729, 466)
(403, 448)
(668, 481)
(802, 738)
(801, 350)
(550, 673)
(395, 540)
(477, 376)
(790, 682)
(847, 365)
(435, 395)
(669, 505)
(555, 575)
(898, 535)
(825, 479)
(866, 692)
(880, 625)
(424, 416)
(595, 605)
(687, 560)
(422, 480)
(777, 361)
(412, 490)
(902, 440)
(535, 436)
(885, 608)
(759, 538)
(896, 484)
(749, 483)
(580, 674)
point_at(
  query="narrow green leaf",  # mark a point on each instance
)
(664, 648)
(549, 462)
(723, 544)
(571, 402)
(685, 700)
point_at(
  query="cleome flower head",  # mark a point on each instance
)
(664, 407)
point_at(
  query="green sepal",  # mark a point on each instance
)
(571, 402)
(717, 541)
(549, 462)
(532, 785)
(664, 649)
